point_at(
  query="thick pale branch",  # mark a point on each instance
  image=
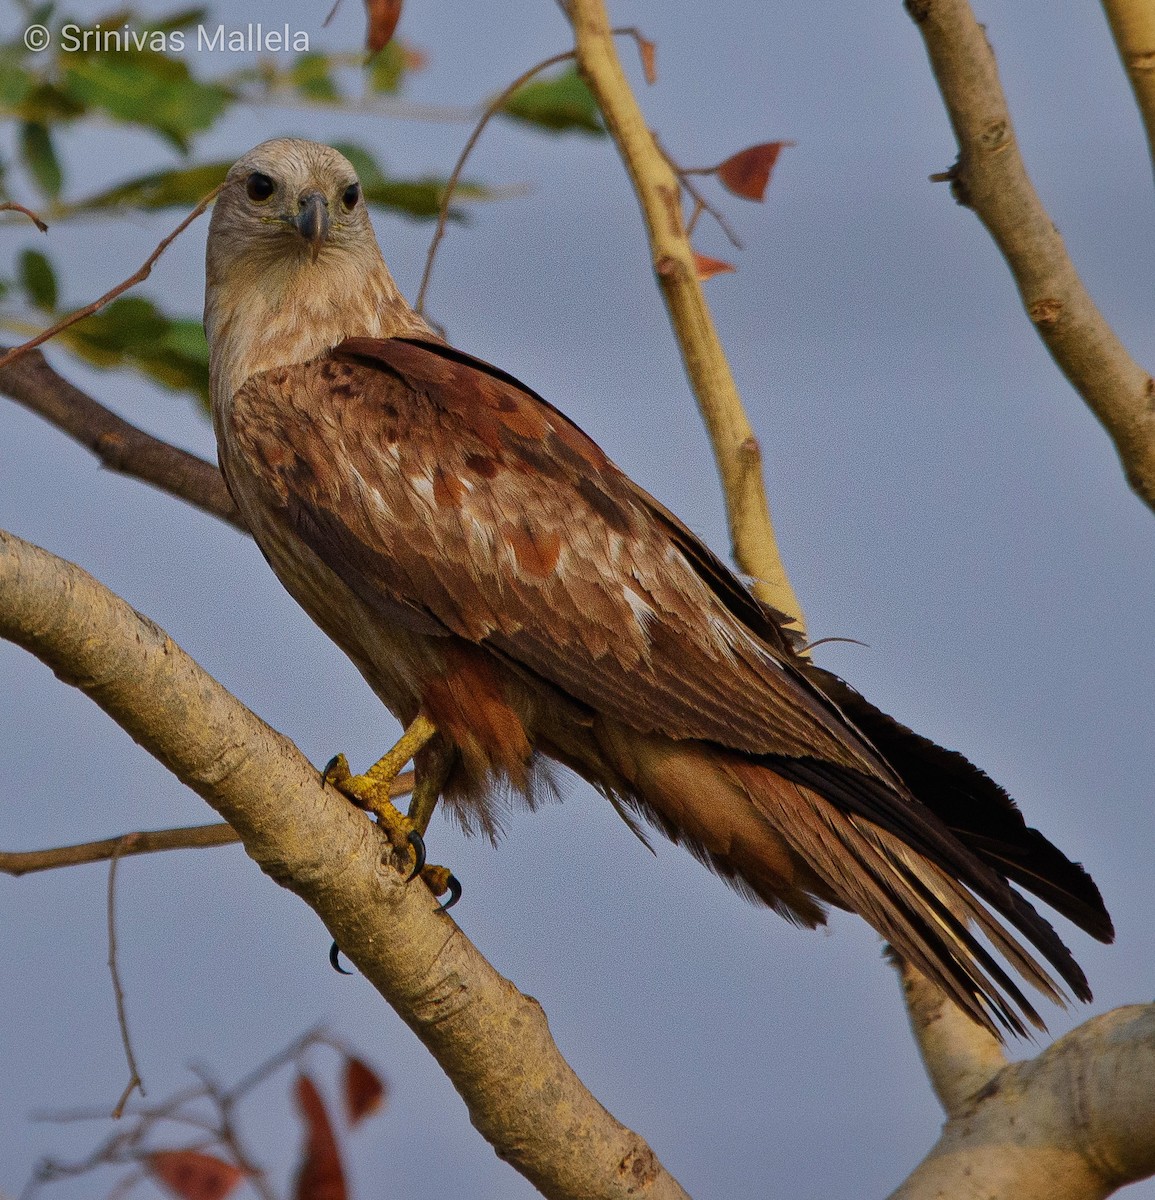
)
(990, 178)
(1133, 26)
(1075, 1123)
(960, 1056)
(119, 446)
(735, 446)
(492, 1041)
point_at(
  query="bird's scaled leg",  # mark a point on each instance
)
(372, 791)
(432, 766)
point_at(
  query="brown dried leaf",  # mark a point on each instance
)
(320, 1175)
(364, 1091)
(382, 16)
(648, 52)
(706, 267)
(747, 173)
(191, 1175)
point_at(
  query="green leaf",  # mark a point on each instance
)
(37, 279)
(310, 76)
(179, 188)
(148, 89)
(133, 332)
(421, 198)
(386, 69)
(368, 172)
(39, 156)
(15, 82)
(559, 104)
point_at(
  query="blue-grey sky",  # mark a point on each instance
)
(940, 494)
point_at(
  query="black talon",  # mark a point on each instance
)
(335, 957)
(418, 843)
(454, 885)
(327, 768)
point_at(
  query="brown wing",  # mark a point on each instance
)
(442, 490)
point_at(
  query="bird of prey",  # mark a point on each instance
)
(513, 598)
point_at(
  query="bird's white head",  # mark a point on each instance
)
(293, 266)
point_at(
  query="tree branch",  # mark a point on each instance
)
(736, 449)
(960, 1056)
(190, 837)
(1133, 27)
(492, 1041)
(121, 447)
(1074, 1123)
(990, 178)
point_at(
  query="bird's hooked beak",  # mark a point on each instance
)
(312, 221)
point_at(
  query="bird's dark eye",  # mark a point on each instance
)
(259, 187)
(350, 196)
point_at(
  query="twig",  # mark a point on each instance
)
(12, 206)
(134, 1080)
(645, 48)
(700, 201)
(990, 178)
(136, 277)
(491, 110)
(1133, 27)
(119, 446)
(736, 448)
(191, 837)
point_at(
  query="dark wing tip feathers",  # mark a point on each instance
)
(977, 811)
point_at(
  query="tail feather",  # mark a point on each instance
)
(922, 911)
(976, 810)
(801, 833)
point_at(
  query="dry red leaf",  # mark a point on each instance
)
(192, 1175)
(706, 267)
(747, 173)
(382, 16)
(364, 1091)
(320, 1175)
(649, 56)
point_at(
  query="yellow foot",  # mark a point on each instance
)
(375, 796)
(374, 792)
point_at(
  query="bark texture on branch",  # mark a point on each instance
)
(736, 448)
(492, 1041)
(1075, 1123)
(990, 177)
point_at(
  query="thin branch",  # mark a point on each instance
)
(190, 837)
(736, 448)
(645, 49)
(12, 206)
(701, 204)
(119, 446)
(1133, 27)
(490, 111)
(492, 1041)
(138, 276)
(134, 1080)
(990, 178)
